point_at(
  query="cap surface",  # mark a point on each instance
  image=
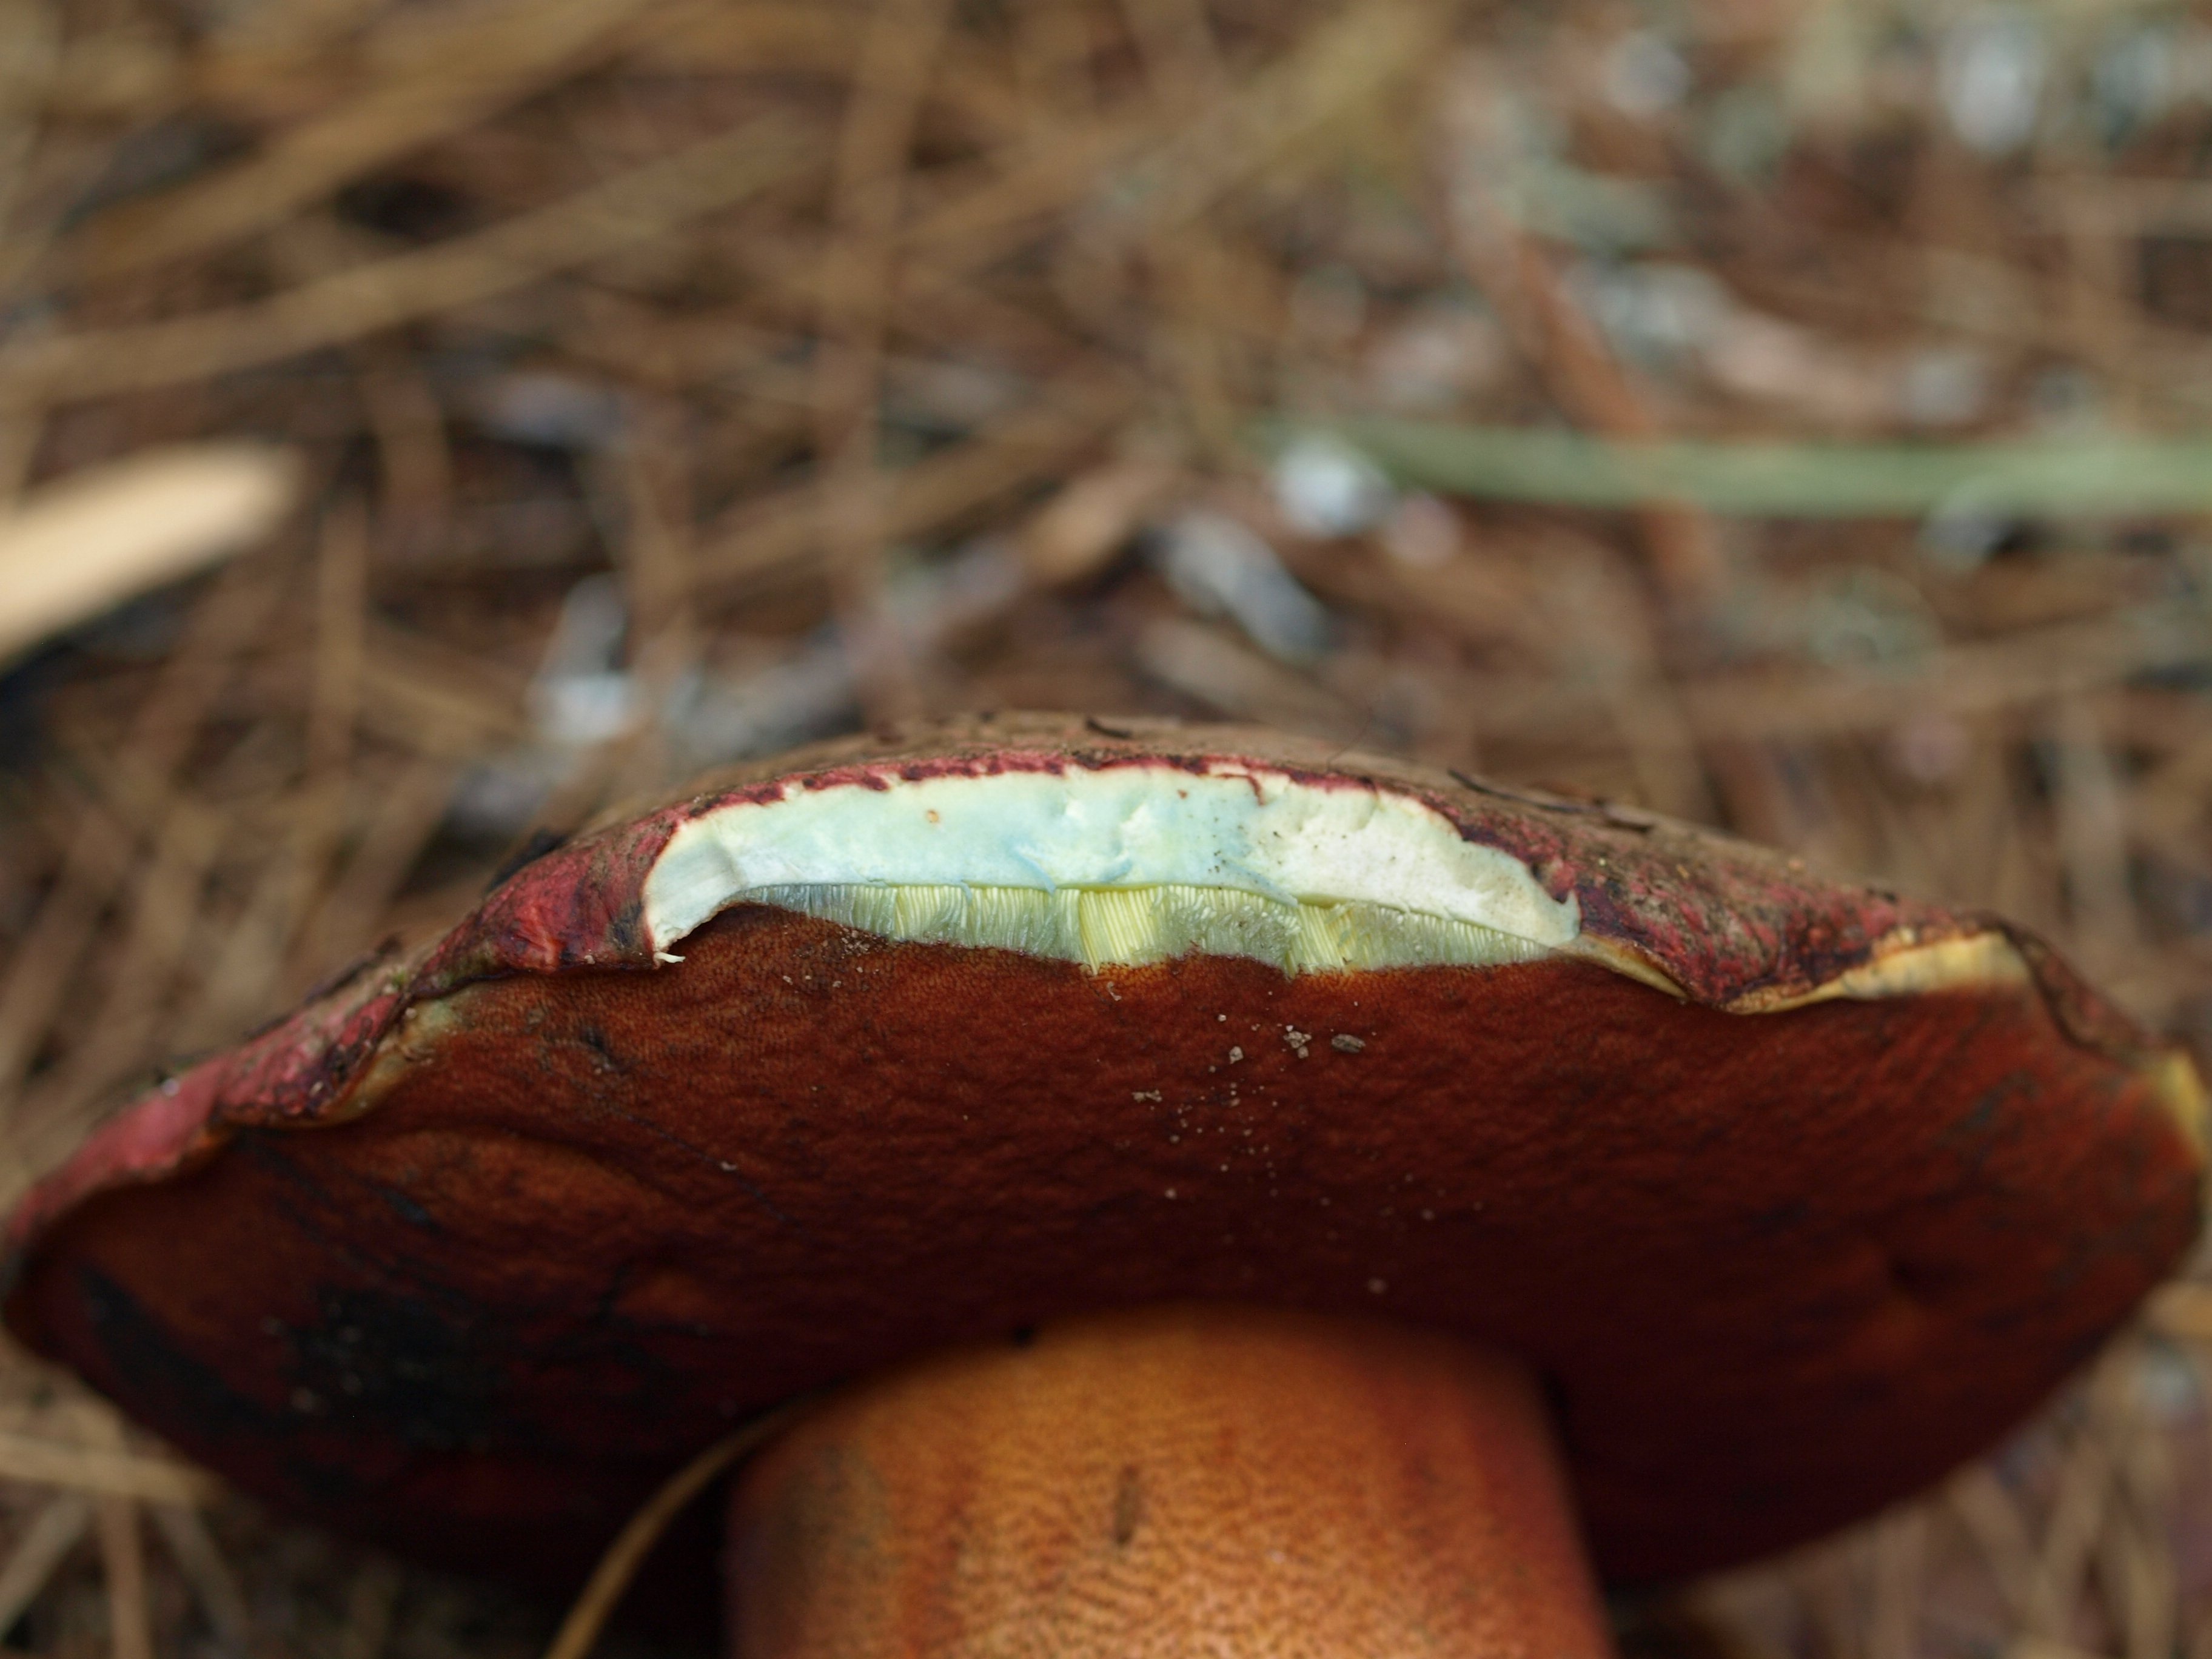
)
(1797, 1192)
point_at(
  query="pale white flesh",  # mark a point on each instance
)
(1128, 865)
(1121, 865)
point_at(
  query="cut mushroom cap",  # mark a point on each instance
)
(1796, 1193)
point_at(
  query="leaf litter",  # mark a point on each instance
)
(1785, 418)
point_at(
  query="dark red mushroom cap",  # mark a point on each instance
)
(1798, 1193)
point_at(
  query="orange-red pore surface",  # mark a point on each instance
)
(1167, 1482)
(1774, 1270)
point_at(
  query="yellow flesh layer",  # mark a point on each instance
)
(1102, 926)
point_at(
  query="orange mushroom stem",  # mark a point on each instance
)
(1175, 1480)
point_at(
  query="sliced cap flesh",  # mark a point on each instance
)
(1797, 1192)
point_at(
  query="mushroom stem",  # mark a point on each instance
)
(1169, 1482)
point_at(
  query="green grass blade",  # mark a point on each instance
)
(1822, 480)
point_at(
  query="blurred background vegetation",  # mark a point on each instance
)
(423, 422)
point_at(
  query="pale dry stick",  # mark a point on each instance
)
(81, 545)
(501, 59)
(60, 1524)
(604, 218)
(858, 271)
(122, 1559)
(214, 1585)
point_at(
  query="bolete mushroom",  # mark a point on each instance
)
(1230, 1195)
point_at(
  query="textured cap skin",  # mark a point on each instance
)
(564, 1214)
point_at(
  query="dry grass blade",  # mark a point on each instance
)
(95, 864)
(492, 61)
(605, 218)
(610, 1579)
(866, 199)
(369, 1602)
(1522, 280)
(1341, 67)
(1228, 677)
(56, 1530)
(2032, 665)
(29, 44)
(162, 907)
(765, 538)
(900, 393)
(123, 1555)
(102, 1471)
(214, 1585)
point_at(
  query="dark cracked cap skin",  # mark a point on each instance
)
(1797, 1194)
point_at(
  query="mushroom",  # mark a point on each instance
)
(1216, 1191)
